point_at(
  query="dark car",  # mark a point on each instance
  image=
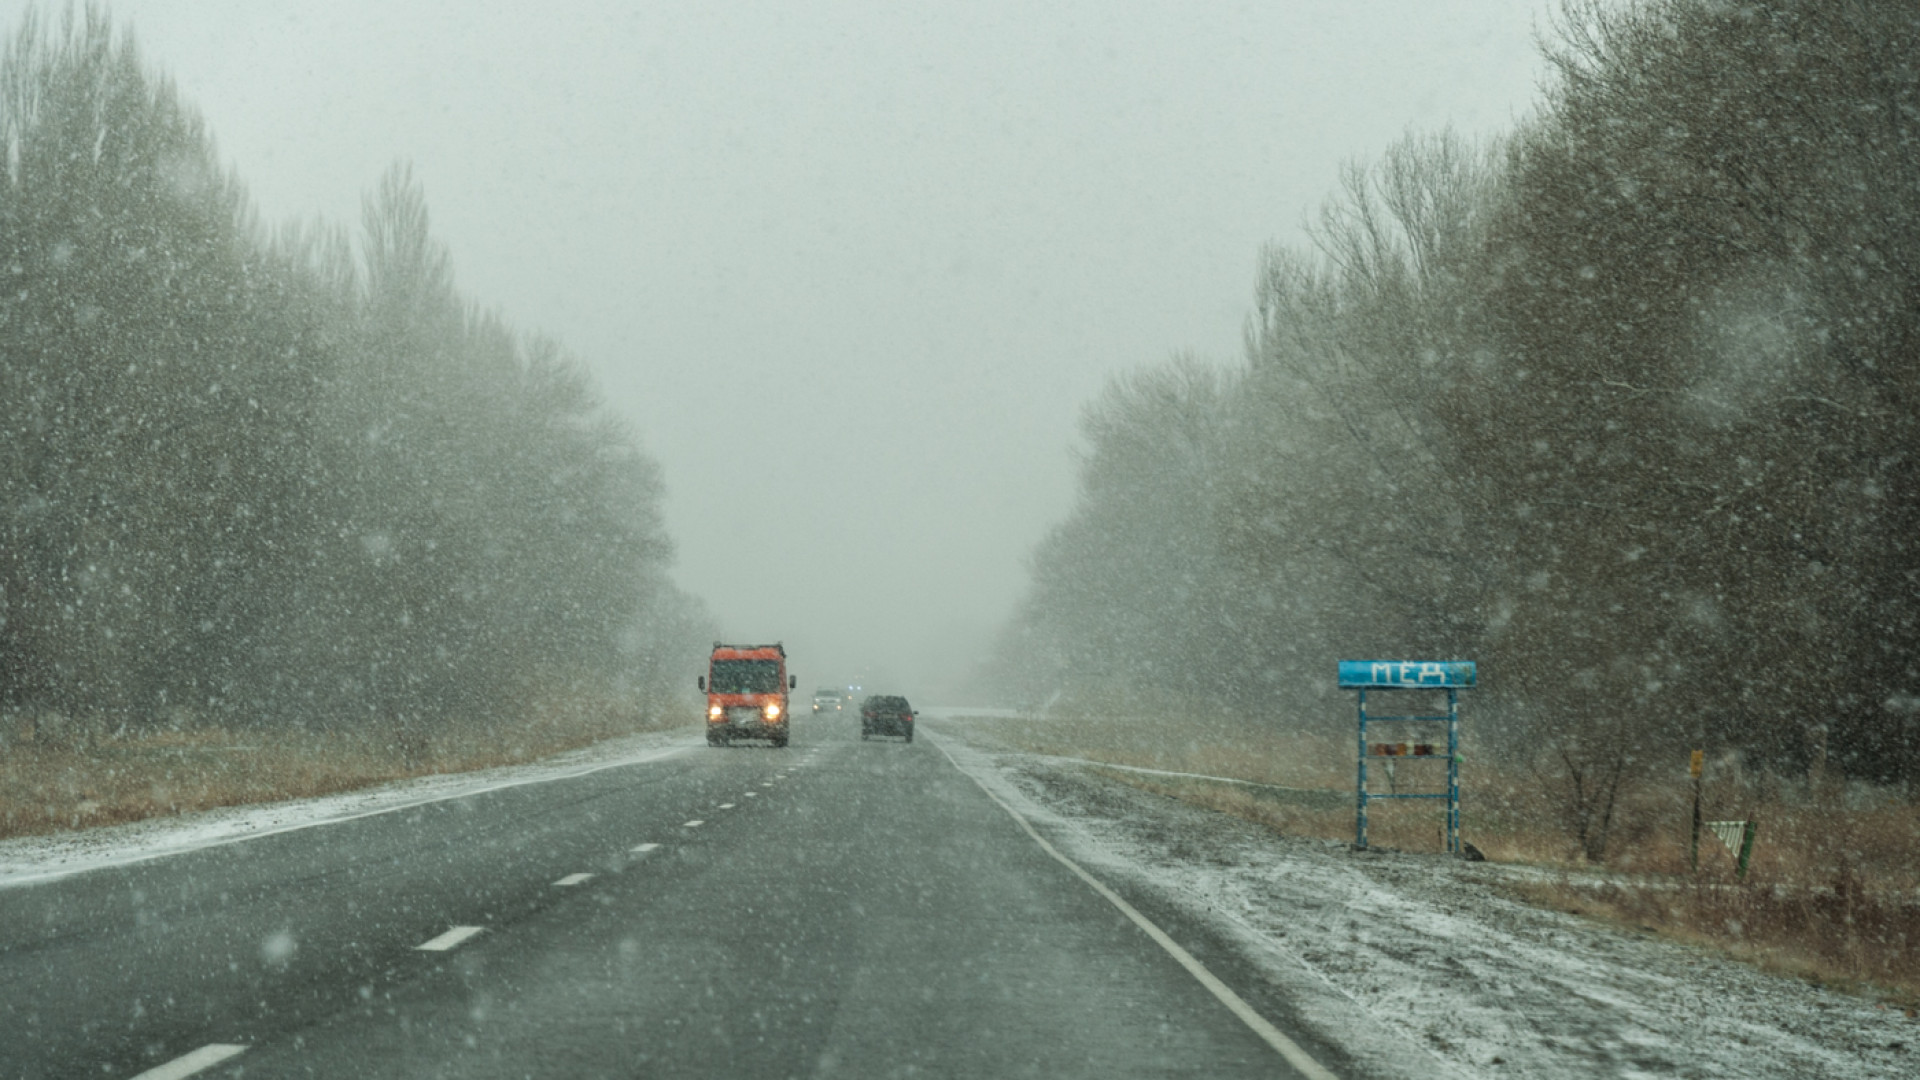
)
(886, 714)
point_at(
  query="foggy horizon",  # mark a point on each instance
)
(851, 276)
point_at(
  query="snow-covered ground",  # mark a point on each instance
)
(41, 858)
(1419, 967)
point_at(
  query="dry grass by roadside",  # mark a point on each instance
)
(1832, 895)
(1837, 935)
(1215, 746)
(56, 784)
(1308, 777)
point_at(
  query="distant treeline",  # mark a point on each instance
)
(1623, 407)
(287, 478)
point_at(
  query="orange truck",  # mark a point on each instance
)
(746, 689)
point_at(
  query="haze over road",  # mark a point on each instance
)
(838, 908)
(851, 268)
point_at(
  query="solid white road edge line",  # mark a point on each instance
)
(1286, 1047)
(643, 848)
(574, 879)
(449, 939)
(187, 1064)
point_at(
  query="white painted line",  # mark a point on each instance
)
(694, 824)
(186, 1065)
(449, 939)
(766, 783)
(573, 879)
(726, 806)
(643, 848)
(752, 795)
(1287, 1048)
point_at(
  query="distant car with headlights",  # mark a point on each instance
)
(886, 714)
(746, 689)
(828, 701)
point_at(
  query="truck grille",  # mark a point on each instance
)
(742, 714)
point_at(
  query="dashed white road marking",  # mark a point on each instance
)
(642, 849)
(752, 794)
(187, 1064)
(726, 806)
(449, 939)
(573, 879)
(694, 824)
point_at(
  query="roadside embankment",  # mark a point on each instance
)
(1832, 894)
(68, 776)
(1424, 965)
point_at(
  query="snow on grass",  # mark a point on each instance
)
(32, 859)
(1418, 965)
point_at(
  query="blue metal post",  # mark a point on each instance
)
(1453, 772)
(1360, 815)
(1422, 675)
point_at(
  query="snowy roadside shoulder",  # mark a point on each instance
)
(30, 860)
(1417, 965)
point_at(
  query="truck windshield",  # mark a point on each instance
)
(746, 676)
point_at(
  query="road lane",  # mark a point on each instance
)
(110, 972)
(872, 912)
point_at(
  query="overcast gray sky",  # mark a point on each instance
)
(851, 269)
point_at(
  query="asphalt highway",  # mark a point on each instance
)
(836, 908)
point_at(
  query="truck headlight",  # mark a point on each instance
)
(773, 710)
(714, 712)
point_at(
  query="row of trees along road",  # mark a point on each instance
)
(282, 478)
(1623, 406)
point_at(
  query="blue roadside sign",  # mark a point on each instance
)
(1406, 674)
(1449, 676)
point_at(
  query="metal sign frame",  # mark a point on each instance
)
(1450, 676)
